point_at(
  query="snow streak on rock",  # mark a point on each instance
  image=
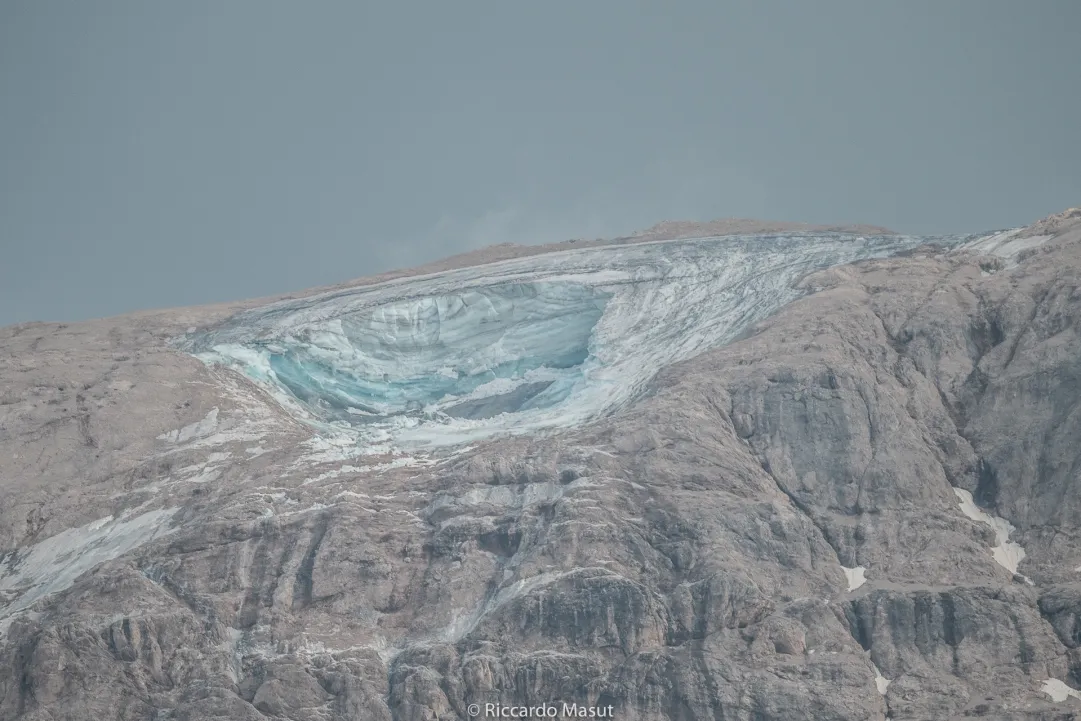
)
(1059, 691)
(52, 565)
(1005, 552)
(523, 345)
(1006, 244)
(199, 429)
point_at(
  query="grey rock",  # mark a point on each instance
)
(178, 546)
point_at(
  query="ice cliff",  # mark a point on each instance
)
(523, 345)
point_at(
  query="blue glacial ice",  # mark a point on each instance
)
(524, 345)
(426, 354)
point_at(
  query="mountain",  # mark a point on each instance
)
(733, 470)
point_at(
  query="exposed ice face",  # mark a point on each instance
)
(428, 354)
(523, 345)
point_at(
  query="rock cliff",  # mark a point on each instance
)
(865, 505)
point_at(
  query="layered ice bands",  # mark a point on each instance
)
(523, 345)
(476, 353)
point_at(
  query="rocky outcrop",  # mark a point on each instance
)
(778, 529)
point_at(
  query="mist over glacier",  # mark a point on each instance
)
(523, 345)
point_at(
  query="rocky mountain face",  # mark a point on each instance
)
(864, 505)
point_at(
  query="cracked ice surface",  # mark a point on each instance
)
(523, 345)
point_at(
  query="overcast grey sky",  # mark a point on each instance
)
(165, 153)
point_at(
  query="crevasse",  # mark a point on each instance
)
(523, 345)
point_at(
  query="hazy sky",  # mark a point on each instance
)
(160, 153)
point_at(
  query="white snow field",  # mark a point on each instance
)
(522, 345)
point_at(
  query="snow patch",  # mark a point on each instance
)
(1058, 691)
(1005, 244)
(252, 416)
(855, 577)
(530, 494)
(399, 462)
(47, 567)
(464, 623)
(198, 429)
(331, 474)
(1005, 552)
(351, 494)
(100, 523)
(881, 682)
(205, 472)
(336, 446)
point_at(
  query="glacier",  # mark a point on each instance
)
(523, 345)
